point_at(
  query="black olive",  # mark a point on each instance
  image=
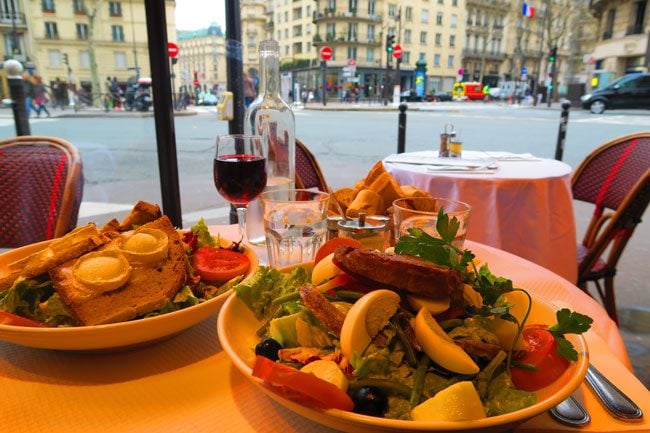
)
(268, 348)
(370, 400)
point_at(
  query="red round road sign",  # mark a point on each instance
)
(172, 49)
(326, 53)
(397, 51)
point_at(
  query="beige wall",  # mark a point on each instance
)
(113, 58)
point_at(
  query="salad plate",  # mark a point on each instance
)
(237, 328)
(115, 336)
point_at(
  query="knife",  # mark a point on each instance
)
(619, 405)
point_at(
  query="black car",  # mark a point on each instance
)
(629, 91)
(410, 96)
(438, 96)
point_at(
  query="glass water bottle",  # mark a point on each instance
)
(271, 117)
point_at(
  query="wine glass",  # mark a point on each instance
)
(240, 172)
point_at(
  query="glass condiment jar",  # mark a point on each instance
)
(371, 231)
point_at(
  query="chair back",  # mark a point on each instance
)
(308, 172)
(41, 185)
(616, 179)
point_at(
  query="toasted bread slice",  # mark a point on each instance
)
(149, 286)
(79, 241)
(142, 213)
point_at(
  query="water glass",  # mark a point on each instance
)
(422, 213)
(295, 225)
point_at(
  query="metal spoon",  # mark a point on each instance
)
(570, 412)
(619, 405)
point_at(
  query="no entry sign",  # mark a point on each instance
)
(172, 49)
(326, 53)
(397, 51)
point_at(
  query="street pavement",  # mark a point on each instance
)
(120, 164)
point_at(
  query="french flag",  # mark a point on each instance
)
(528, 11)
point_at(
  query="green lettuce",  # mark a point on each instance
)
(24, 297)
(267, 284)
(54, 312)
(203, 236)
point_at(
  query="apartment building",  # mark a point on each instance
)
(202, 57)
(623, 44)
(53, 38)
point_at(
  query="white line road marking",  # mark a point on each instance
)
(90, 209)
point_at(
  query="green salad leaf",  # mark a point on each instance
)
(203, 236)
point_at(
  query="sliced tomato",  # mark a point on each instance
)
(15, 320)
(304, 388)
(541, 352)
(217, 264)
(328, 247)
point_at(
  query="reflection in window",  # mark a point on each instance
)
(117, 33)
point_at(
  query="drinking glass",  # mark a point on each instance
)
(240, 172)
(295, 225)
(422, 212)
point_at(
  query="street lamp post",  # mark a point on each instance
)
(17, 91)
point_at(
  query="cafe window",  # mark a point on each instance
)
(82, 31)
(54, 57)
(118, 33)
(48, 5)
(51, 30)
(120, 60)
(78, 7)
(115, 9)
(84, 59)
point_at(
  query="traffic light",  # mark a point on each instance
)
(65, 59)
(552, 55)
(174, 60)
(550, 81)
(390, 40)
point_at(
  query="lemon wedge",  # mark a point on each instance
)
(329, 371)
(365, 319)
(325, 270)
(435, 306)
(146, 245)
(458, 402)
(439, 347)
(102, 271)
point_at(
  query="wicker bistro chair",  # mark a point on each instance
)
(41, 184)
(616, 179)
(308, 172)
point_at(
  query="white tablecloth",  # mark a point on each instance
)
(524, 207)
(188, 384)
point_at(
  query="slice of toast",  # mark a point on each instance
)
(74, 244)
(142, 213)
(149, 286)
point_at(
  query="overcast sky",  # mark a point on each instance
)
(197, 14)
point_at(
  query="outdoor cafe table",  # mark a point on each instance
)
(188, 384)
(524, 206)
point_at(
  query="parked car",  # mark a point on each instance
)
(438, 96)
(410, 96)
(629, 91)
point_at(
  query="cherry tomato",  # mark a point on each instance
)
(15, 320)
(541, 351)
(216, 264)
(328, 247)
(304, 388)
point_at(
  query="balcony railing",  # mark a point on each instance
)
(478, 53)
(635, 29)
(345, 15)
(10, 18)
(345, 38)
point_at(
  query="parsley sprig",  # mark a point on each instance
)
(442, 251)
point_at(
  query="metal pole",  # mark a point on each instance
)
(561, 135)
(323, 66)
(401, 129)
(549, 91)
(234, 66)
(163, 110)
(17, 92)
(235, 73)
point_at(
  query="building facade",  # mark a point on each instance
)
(623, 39)
(201, 57)
(56, 36)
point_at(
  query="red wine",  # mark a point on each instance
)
(240, 178)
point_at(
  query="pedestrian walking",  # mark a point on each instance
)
(59, 90)
(116, 94)
(40, 97)
(29, 94)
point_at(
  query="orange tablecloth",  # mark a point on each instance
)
(188, 384)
